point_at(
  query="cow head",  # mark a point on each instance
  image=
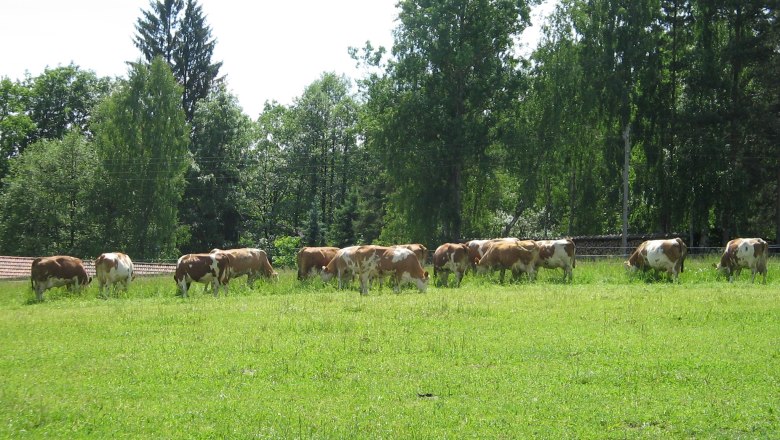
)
(481, 268)
(326, 274)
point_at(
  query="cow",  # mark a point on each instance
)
(475, 251)
(311, 260)
(450, 257)
(555, 254)
(517, 256)
(478, 248)
(342, 266)
(112, 268)
(659, 255)
(56, 271)
(251, 262)
(399, 263)
(420, 251)
(211, 268)
(744, 253)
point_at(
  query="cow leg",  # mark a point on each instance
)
(501, 278)
(396, 283)
(340, 276)
(364, 282)
(445, 278)
(458, 277)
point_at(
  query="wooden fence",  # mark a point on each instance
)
(19, 267)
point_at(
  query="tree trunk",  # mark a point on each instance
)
(626, 164)
(777, 208)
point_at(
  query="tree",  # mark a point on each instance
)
(454, 75)
(341, 232)
(16, 126)
(46, 201)
(177, 31)
(221, 139)
(46, 107)
(141, 136)
(62, 99)
(192, 62)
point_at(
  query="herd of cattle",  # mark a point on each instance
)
(403, 264)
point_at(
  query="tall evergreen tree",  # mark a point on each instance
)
(177, 31)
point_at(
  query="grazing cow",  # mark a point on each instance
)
(478, 248)
(400, 263)
(112, 268)
(555, 254)
(203, 268)
(311, 260)
(741, 253)
(475, 251)
(56, 271)
(518, 256)
(420, 251)
(251, 262)
(659, 255)
(342, 266)
(450, 257)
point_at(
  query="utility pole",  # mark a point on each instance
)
(626, 161)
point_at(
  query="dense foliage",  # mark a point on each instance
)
(453, 134)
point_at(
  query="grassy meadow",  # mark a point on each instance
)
(604, 357)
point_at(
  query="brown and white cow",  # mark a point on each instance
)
(311, 260)
(744, 253)
(517, 256)
(251, 262)
(56, 271)
(660, 255)
(112, 268)
(554, 254)
(399, 263)
(343, 266)
(475, 251)
(213, 268)
(419, 250)
(450, 258)
(478, 248)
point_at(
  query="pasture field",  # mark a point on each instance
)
(603, 357)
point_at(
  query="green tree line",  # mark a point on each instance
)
(452, 133)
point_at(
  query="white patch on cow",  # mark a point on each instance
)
(656, 257)
(400, 254)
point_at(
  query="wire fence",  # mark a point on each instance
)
(12, 267)
(597, 252)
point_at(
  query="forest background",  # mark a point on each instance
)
(450, 135)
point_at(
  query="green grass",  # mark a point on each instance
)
(603, 357)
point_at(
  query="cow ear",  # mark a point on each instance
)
(426, 274)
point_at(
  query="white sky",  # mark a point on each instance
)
(270, 49)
